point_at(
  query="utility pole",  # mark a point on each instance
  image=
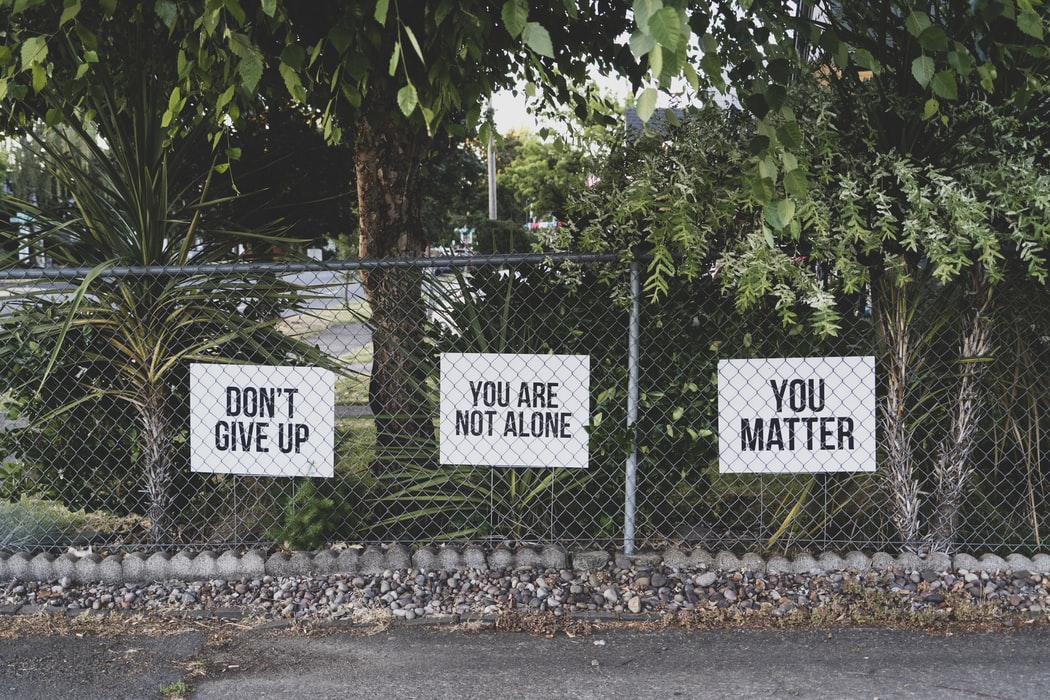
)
(492, 165)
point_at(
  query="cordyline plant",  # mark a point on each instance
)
(138, 199)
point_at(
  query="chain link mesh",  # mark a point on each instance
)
(97, 448)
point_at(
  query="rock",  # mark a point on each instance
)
(706, 579)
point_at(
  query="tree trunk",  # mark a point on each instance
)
(893, 309)
(387, 159)
(954, 467)
(156, 439)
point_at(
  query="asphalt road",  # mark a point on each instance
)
(409, 662)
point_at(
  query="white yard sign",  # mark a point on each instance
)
(514, 410)
(796, 415)
(261, 421)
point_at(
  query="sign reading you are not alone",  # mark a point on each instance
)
(796, 415)
(262, 420)
(514, 410)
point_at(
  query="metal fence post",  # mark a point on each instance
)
(630, 487)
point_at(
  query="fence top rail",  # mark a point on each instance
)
(458, 261)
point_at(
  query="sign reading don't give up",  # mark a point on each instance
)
(261, 420)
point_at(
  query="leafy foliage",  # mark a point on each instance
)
(136, 201)
(312, 514)
(31, 523)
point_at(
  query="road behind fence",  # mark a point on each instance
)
(99, 445)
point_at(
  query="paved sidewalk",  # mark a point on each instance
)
(411, 663)
(432, 661)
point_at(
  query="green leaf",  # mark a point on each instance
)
(250, 69)
(382, 9)
(39, 77)
(922, 69)
(758, 144)
(944, 85)
(108, 7)
(917, 23)
(790, 134)
(865, 59)
(236, 11)
(34, 51)
(712, 67)
(961, 61)
(795, 183)
(931, 107)
(762, 189)
(1030, 23)
(224, 98)
(646, 103)
(776, 96)
(292, 83)
(988, 75)
(415, 44)
(779, 214)
(294, 56)
(22, 5)
(641, 43)
(269, 7)
(756, 102)
(837, 49)
(767, 169)
(780, 70)
(240, 45)
(666, 27)
(174, 98)
(70, 9)
(515, 14)
(168, 11)
(537, 38)
(934, 38)
(395, 59)
(407, 99)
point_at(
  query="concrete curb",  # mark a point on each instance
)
(373, 560)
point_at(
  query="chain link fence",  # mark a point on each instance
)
(102, 382)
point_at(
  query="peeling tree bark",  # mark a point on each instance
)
(156, 439)
(954, 466)
(892, 310)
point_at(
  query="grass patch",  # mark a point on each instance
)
(30, 523)
(352, 390)
(355, 440)
(175, 691)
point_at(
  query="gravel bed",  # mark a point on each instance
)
(413, 594)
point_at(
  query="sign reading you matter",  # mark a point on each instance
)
(796, 415)
(261, 421)
(514, 410)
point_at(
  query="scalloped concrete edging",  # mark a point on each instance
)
(372, 560)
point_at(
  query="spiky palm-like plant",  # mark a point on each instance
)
(140, 198)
